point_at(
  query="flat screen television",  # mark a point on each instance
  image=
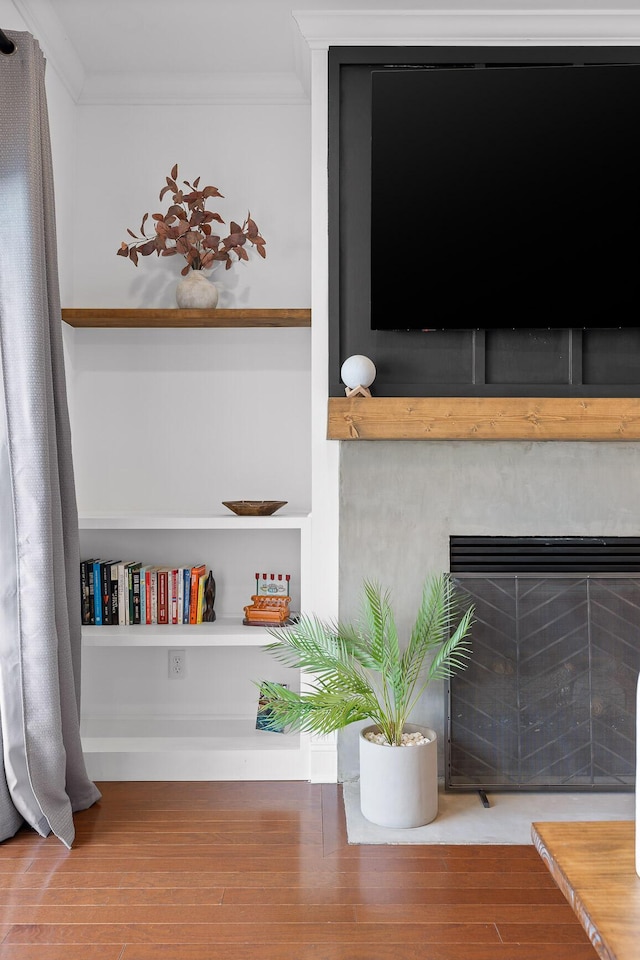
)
(505, 196)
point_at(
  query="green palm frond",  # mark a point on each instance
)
(431, 626)
(375, 613)
(359, 643)
(454, 652)
(308, 643)
(358, 671)
(316, 710)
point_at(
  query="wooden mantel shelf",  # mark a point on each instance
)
(96, 317)
(483, 418)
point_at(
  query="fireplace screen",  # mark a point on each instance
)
(548, 698)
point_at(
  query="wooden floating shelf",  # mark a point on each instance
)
(186, 318)
(484, 418)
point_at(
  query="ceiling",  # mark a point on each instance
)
(215, 51)
(115, 51)
(199, 36)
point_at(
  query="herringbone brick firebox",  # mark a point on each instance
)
(548, 698)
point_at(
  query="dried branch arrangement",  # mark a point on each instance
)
(186, 229)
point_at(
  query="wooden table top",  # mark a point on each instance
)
(594, 865)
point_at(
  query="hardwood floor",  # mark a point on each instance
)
(262, 871)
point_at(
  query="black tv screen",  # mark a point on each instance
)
(505, 196)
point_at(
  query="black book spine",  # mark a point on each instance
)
(129, 601)
(105, 580)
(136, 596)
(91, 583)
(113, 606)
(85, 608)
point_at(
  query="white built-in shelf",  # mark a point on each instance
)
(223, 632)
(189, 748)
(180, 732)
(259, 740)
(228, 521)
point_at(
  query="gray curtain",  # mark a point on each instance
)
(45, 778)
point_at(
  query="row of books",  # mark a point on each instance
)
(118, 592)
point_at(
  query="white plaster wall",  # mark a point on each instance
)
(175, 421)
(9, 16)
(401, 501)
(257, 156)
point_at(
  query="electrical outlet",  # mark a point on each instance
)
(177, 664)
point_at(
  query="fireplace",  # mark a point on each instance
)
(548, 698)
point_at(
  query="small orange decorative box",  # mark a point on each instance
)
(267, 612)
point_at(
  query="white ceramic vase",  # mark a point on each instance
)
(399, 785)
(196, 292)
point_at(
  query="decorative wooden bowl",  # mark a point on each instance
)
(254, 508)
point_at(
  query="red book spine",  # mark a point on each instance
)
(147, 596)
(174, 596)
(163, 584)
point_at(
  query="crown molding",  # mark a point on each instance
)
(322, 29)
(43, 22)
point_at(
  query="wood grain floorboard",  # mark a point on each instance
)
(284, 951)
(253, 933)
(54, 951)
(236, 871)
(425, 897)
(98, 896)
(181, 914)
(355, 951)
(289, 880)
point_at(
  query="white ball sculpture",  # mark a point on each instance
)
(358, 373)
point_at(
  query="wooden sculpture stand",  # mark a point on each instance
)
(358, 391)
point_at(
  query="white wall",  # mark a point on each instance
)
(257, 156)
(179, 420)
(10, 19)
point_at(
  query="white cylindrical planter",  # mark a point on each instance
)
(399, 785)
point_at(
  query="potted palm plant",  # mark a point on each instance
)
(361, 671)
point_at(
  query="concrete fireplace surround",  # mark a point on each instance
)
(401, 501)
(385, 509)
